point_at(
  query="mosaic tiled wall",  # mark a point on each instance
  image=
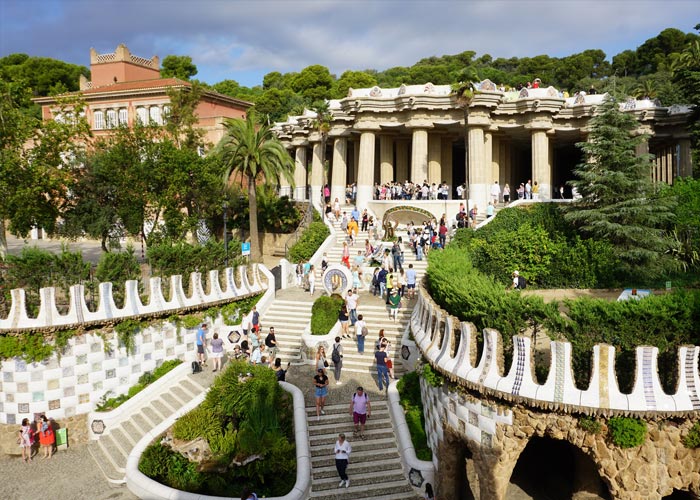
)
(88, 369)
(436, 334)
(471, 418)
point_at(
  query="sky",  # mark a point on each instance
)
(245, 39)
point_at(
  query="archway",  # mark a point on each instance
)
(681, 495)
(457, 471)
(551, 468)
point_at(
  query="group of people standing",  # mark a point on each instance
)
(28, 433)
(412, 191)
(252, 347)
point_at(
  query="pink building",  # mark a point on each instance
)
(126, 88)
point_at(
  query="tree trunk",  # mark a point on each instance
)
(255, 250)
(3, 240)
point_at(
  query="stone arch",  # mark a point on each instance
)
(405, 214)
(458, 475)
(556, 468)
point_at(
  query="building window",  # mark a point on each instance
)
(111, 118)
(123, 117)
(98, 120)
(155, 115)
(142, 115)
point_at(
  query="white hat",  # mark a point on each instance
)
(516, 273)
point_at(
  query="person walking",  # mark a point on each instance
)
(337, 358)
(360, 409)
(351, 301)
(201, 342)
(382, 370)
(321, 391)
(255, 319)
(271, 343)
(411, 281)
(312, 279)
(394, 304)
(343, 317)
(217, 351)
(361, 332)
(321, 362)
(342, 452)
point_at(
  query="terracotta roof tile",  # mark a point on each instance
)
(137, 85)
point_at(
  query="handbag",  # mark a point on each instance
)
(325, 363)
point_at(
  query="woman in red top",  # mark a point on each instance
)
(47, 438)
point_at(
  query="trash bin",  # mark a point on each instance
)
(62, 438)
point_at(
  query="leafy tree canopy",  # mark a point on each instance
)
(180, 67)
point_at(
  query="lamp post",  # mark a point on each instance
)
(224, 205)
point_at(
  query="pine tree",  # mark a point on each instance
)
(619, 203)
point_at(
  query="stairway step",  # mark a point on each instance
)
(115, 457)
(105, 464)
(358, 446)
(362, 491)
(365, 479)
(357, 468)
(363, 457)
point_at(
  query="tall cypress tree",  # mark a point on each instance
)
(619, 203)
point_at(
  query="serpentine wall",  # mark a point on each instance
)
(92, 365)
(480, 422)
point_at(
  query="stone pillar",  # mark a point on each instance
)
(285, 189)
(340, 169)
(386, 159)
(541, 164)
(434, 158)
(419, 156)
(446, 163)
(317, 176)
(401, 160)
(488, 158)
(670, 165)
(300, 173)
(479, 171)
(450, 478)
(663, 157)
(365, 174)
(685, 166)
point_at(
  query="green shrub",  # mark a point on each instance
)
(590, 425)
(181, 258)
(126, 330)
(627, 432)
(410, 398)
(433, 378)
(107, 404)
(155, 461)
(692, 439)
(117, 268)
(310, 241)
(324, 314)
(233, 312)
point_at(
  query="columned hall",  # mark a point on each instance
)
(421, 134)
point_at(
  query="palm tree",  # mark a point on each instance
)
(464, 90)
(322, 124)
(646, 90)
(255, 153)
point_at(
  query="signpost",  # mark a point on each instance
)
(245, 249)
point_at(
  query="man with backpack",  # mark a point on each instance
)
(360, 409)
(519, 283)
(337, 358)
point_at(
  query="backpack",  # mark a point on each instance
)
(335, 356)
(196, 367)
(365, 331)
(522, 283)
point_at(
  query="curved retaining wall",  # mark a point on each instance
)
(92, 365)
(449, 346)
(144, 487)
(79, 314)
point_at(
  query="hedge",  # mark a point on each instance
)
(324, 314)
(310, 241)
(410, 399)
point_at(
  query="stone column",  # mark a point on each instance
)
(670, 170)
(340, 167)
(685, 166)
(503, 161)
(446, 163)
(664, 165)
(317, 176)
(434, 158)
(386, 159)
(479, 171)
(300, 173)
(401, 160)
(354, 173)
(541, 164)
(365, 174)
(285, 189)
(488, 157)
(419, 155)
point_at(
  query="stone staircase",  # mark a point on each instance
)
(374, 470)
(290, 318)
(111, 450)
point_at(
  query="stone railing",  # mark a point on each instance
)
(450, 347)
(144, 487)
(79, 313)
